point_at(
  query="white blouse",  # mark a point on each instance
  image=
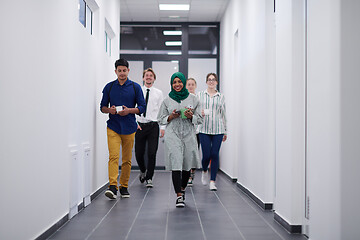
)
(215, 117)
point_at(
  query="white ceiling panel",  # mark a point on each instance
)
(148, 11)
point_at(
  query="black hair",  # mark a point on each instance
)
(121, 62)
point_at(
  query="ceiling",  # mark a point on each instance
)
(148, 11)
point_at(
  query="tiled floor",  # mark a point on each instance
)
(151, 214)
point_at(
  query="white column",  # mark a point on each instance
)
(290, 110)
(249, 89)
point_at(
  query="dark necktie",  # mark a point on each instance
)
(146, 100)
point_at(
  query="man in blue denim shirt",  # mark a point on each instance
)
(122, 95)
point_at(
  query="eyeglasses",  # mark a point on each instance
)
(211, 80)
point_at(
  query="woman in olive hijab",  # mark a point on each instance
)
(180, 112)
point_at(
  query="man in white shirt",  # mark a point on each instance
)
(148, 128)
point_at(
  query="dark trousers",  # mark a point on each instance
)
(148, 135)
(180, 180)
(210, 146)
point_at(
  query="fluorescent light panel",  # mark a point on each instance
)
(172, 33)
(174, 7)
(174, 53)
(173, 43)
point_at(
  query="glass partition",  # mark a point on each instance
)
(139, 39)
(188, 44)
(203, 39)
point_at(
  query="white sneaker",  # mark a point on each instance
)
(204, 177)
(212, 186)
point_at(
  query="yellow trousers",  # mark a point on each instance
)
(114, 142)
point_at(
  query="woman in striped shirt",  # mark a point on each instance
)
(213, 130)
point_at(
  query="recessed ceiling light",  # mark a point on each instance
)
(173, 43)
(174, 53)
(171, 7)
(173, 33)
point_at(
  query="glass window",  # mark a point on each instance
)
(150, 39)
(188, 45)
(137, 68)
(137, 39)
(106, 42)
(198, 68)
(109, 50)
(164, 70)
(82, 13)
(85, 15)
(203, 39)
(89, 17)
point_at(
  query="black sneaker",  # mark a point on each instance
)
(183, 194)
(142, 177)
(149, 183)
(124, 192)
(111, 192)
(180, 202)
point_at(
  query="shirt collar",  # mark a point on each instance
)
(216, 94)
(145, 87)
(127, 82)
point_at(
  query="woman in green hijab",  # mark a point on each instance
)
(180, 112)
(179, 93)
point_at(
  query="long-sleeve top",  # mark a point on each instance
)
(181, 151)
(130, 95)
(215, 122)
(152, 109)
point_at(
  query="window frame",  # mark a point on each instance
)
(185, 55)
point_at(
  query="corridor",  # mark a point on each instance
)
(150, 213)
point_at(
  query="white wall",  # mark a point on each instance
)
(229, 154)
(249, 153)
(333, 118)
(290, 111)
(324, 119)
(53, 72)
(333, 115)
(350, 118)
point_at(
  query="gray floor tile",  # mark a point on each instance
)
(151, 214)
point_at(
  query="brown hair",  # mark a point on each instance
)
(149, 70)
(214, 74)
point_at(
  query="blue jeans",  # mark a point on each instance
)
(210, 146)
